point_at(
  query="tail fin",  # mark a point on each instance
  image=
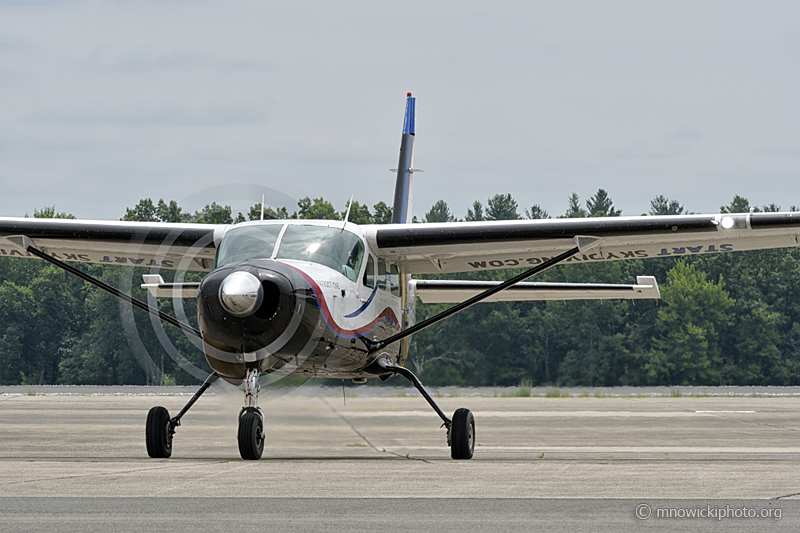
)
(401, 212)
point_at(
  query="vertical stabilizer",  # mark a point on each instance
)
(401, 211)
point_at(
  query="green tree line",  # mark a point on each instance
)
(723, 318)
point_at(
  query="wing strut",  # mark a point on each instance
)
(379, 345)
(26, 244)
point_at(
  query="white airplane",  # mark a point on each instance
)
(332, 299)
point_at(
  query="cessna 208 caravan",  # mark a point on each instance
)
(332, 299)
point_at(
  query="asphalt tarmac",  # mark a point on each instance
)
(78, 463)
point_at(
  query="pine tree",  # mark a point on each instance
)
(600, 205)
(475, 213)
(574, 209)
(739, 204)
(440, 212)
(661, 205)
(502, 207)
(536, 212)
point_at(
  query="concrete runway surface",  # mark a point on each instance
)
(78, 463)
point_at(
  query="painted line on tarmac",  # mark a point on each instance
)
(533, 414)
(724, 411)
(621, 449)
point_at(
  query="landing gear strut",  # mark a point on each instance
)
(251, 420)
(160, 428)
(460, 430)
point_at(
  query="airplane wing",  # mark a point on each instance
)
(145, 244)
(469, 246)
(448, 291)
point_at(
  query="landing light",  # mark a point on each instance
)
(727, 222)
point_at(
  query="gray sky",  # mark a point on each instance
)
(102, 104)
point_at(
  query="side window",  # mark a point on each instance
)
(369, 273)
(382, 275)
(395, 280)
(354, 258)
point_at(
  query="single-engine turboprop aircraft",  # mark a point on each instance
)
(332, 299)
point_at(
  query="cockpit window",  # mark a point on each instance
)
(340, 250)
(247, 242)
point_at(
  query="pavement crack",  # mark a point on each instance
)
(95, 474)
(755, 422)
(357, 432)
(215, 474)
(785, 496)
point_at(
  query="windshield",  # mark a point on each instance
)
(248, 242)
(340, 250)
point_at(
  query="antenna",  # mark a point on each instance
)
(349, 205)
(262, 207)
(347, 214)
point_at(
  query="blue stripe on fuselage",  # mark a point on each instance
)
(366, 304)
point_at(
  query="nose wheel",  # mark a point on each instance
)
(251, 435)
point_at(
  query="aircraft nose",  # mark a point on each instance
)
(253, 309)
(241, 294)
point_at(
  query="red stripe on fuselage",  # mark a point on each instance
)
(386, 314)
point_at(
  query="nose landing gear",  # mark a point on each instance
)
(251, 420)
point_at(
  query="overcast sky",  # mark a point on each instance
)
(102, 104)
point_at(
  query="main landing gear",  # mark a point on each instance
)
(460, 430)
(160, 428)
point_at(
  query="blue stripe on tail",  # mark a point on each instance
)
(401, 210)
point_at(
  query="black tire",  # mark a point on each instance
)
(157, 437)
(251, 436)
(462, 435)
